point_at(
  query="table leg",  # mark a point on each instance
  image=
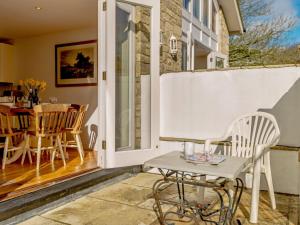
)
(180, 190)
(201, 190)
(225, 213)
(234, 200)
(17, 154)
(157, 206)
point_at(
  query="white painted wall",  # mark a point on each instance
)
(202, 104)
(36, 59)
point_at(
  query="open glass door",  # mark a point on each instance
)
(129, 42)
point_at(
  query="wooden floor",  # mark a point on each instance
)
(17, 180)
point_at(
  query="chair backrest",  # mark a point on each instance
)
(5, 120)
(50, 118)
(250, 130)
(72, 115)
(75, 117)
(80, 118)
(24, 120)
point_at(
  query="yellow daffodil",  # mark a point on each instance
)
(31, 83)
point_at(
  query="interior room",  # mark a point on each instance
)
(29, 47)
(200, 54)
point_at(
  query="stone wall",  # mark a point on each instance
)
(142, 65)
(170, 23)
(223, 34)
(171, 20)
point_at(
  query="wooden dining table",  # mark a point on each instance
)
(21, 110)
(176, 170)
(18, 112)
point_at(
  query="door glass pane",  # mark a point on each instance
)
(133, 100)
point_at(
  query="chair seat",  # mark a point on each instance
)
(34, 133)
(67, 129)
(14, 132)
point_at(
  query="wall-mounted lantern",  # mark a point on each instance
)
(173, 45)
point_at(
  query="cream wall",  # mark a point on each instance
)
(7, 63)
(201, 105)
(214, 99)
(35, 57)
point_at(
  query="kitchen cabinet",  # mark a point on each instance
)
(7, 63)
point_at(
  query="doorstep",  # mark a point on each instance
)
(22, 204)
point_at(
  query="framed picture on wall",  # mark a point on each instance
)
(76, 64)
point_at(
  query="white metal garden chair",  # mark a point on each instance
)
(251, 136)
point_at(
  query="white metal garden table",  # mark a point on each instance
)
(175, 170)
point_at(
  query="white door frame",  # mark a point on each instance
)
(101, 84)
(108, 157)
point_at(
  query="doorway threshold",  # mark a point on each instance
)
(17, 209)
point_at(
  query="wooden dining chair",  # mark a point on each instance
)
(11, 133)
(24, 123)
(50, 120)
(73, 128)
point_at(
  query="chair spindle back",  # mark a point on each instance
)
(5, 120)
(80, 118)
(50, 118)
(251, 130)
(24, 120)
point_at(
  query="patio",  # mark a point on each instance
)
(129, 202)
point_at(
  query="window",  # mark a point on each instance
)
(220, 63)
(196, 9)
(184, 57)
(205, 12)
(214, 19)
(186, 4)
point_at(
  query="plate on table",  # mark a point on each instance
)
(201, 158)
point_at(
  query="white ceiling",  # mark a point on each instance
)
(19, 18)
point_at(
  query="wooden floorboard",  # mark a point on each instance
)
(17, 180)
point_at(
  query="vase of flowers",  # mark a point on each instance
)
(33, 88)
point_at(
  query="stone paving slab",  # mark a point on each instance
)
(38, 220)
(143, 179)
(123, 193)
(130, 202)
(92, 211)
